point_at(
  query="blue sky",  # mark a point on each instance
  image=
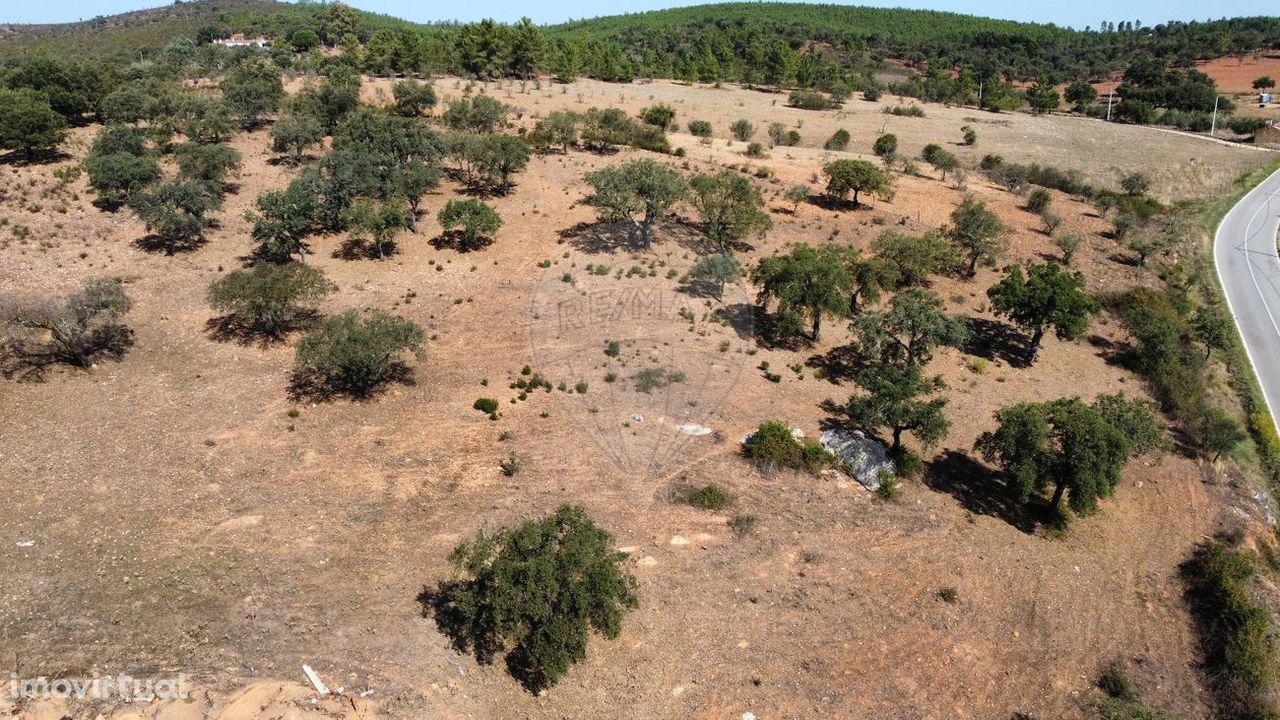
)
(1079, 13)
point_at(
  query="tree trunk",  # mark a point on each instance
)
(973, 264)
(817, 325)
(1058, 490)
(645, 239)
(1035, 345)
(855, 198)
(853, 303)
(897, 440)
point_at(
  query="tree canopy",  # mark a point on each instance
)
(1046, 297)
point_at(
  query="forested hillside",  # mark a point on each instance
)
(835, 49)
(734, 38)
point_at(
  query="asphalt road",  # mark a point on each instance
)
(1244, 250)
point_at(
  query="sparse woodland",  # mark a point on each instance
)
(882, 321)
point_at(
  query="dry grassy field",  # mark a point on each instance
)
(169, 512)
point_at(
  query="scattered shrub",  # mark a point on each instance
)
(266, 299)
(535, 592)
(839, 140)
(352, 355)
(708, 497)
(75, 332)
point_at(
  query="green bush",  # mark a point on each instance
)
(708, 497)
(266, 299)
(809, 100)
(700, 128)
(1038, 201)
(772, 446)
(1235, 629)
(486, 405)
(536, 592)
(660, 116)
(839, 140)
(351, 355)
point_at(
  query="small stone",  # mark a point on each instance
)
(679, 540)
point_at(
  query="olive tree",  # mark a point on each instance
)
(915, 257)
(536, 592)
(119, 176)
(294, 134)
(795, 195)
(719, 268)
(498, 157)
(376, 223)
(977, 233)
(731, 208)
(856, 176)
(413, 98)
(640, 192)
(1045, 298)
(28, 123)
(1065, 444)
(804, 282)
(351, 355)
(208, 164)
(886, 148)
(267, 299)
(175, 213)
(472, 218)
(284, 218)
(898, 398)
(909, 329)
(253, 90)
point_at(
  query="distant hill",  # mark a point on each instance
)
(681, 36)
(151, 29)
(749, 42)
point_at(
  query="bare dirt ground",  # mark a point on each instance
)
(165, 513)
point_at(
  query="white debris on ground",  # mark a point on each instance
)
(694, 429)
(865, 458)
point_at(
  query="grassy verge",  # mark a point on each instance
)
(1265, 444)
(1240, 653)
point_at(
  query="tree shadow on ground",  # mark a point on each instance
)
(743, 318)
(826, 202)
(470, 636)
(242, 331)
(361, 249)
(602, 237)
(20, 158)
(995, 340)
(153, 243)
(977, 488)
(456, 240)
(31, 363)
(839, 363)
(1122, 259)
(699, 288)
(309, 386)
(752, 323)
(465, 636)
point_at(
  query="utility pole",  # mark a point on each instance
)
(1213, 126)
(1110, 98)
(980, 84)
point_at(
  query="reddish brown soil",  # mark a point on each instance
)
(182, 519)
